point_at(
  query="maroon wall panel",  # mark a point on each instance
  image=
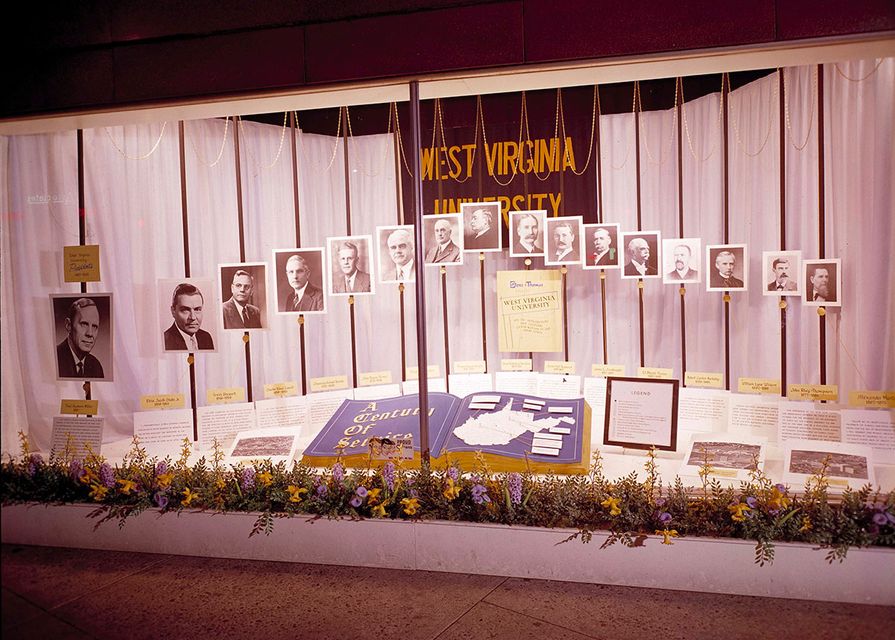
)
(429, 41)
(66, 80)
(588, 29)
(814, 18)
(37, 26)
(252, 60)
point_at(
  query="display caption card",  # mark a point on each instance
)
(807, 421)
(755, 415)
(77, 432)
(523, 382)
(378, 392)
(223, 422)
(702, 410)
(282, 413)
(463, 384)
(594, 392)
(872, 428)
(529, 310)
(847, 465)
(872, 399)
(413, 373)
(469, 366)
(79, 407)
(763, 386)
(162, 432)
(328, 383)
(163, 401)
(374, 378)
(704, 379)
(641, 414)
(412, 387)
(607, 370)
(227, 395)
(813, 392)
(655, 373)
(558, 386)
(281, 389)
(81, 263)
(516, 364)
(322, 406)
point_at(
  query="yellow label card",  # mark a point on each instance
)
(655, 373)
(607, 370)
(225, 396)
(280, 389)
(79, 407)
(515, 364)
(329, 383)
(559, 366)
(813, 392)
(724, 473)
(162, 401)
(872, 399)
(707, 379)
(469, 366)
(81, 263)
(373, 378)
(766, 386)
(413, 373)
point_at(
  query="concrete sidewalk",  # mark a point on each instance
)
(72, 593)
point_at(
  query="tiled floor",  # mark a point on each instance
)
(70, 593)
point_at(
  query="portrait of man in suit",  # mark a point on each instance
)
(83, 321)
(641, 259)
(481, 223)
(600, 246)
(239, 312)
(302, 296)
(396, 254)
(185, 332)
(440, 237)
(822, 283)
(350, 255)
(563, 241)
(680, 264)
(525, 231)
(782, 269)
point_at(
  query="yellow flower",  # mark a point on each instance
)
(667, 535)
(373, 496)
(98, 492)
(220, 483)
(452, 491)
(187, 497)
(777, 501)
(295, 493)
(127, 486)
(611, 504)
(164, 480)
(410, 505)
(265, 478)
(89, 476)
(806, 525)
(738, 511)
(379, 511)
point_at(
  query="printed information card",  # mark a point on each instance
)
(641, 413)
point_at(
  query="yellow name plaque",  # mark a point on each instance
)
(515, 364)
(373, 378)
(413, 373)
(225, 395)
(815, 392)
(765, 386)
(707, 379)
(79, 407)
(162, 401)
(607, 370)
(469, 366)
(329, 383)
(281, 389)
(559, 366)
(655, 373)
(81, 263)
(872, 399)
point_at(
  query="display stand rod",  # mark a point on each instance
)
(444, 322)
(345, 163)
(639, 210)
(725, 158)
(353, 341)
(185, 225)
(403, 333)
(399, 198)
(301, 344)
(821, 226)
(528, 267)
(482, 296)
(242, 248)
(82, 223)
(421, 337)
(565, 313)
(640, 300)
(603, 304)
(293, 126)
(599, 152)
(680, 221)
(782, 145)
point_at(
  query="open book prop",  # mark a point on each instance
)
(514, 432)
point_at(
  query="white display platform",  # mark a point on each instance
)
(691, 564)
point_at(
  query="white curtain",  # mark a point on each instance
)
(133, 210)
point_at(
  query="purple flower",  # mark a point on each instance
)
(880, 519)
(338, 473)
(514, 486)
(891, 518)
(321, 490)
(356, 501)
(161, 467)
(660, 502)
(361, 492)
(388, 474)
(752, 502)
(161, 499)
(664, 517)
(781, 488)
(76, 470)
(480, 494)
(106, 475)
(247, 481)
(35, 461)
(453, 473)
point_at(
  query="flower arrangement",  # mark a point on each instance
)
(629, 509)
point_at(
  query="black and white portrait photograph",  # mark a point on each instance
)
(727, 267)
(443, 237)
(641, 254)
(397, 253)
(481, 226)
(782, 273)
(527, 229)
(350, 261)
(601, 246)
(83, 329)
(564, 240)
(681, 260)
(243, 289)
(187, 310)
(299, 279)
(823, 283)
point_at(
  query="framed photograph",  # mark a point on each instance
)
(601, 246)
(782, 273)
(727, 266)
(481, 226)
(846, 464)
(527, 233)
(277, 444)
(396, 249)
(642, 257)
(84, 335)
(300, 280)
(641, 413)
(186, 309)
(443, 237)
(729, 455)
(681, 260)
(823, 283)
(351, 265)
(243, 286)
(564, 240)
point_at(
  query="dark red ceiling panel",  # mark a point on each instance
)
(816, 18)
(421, 42)
(588, 29)
(237, 62)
